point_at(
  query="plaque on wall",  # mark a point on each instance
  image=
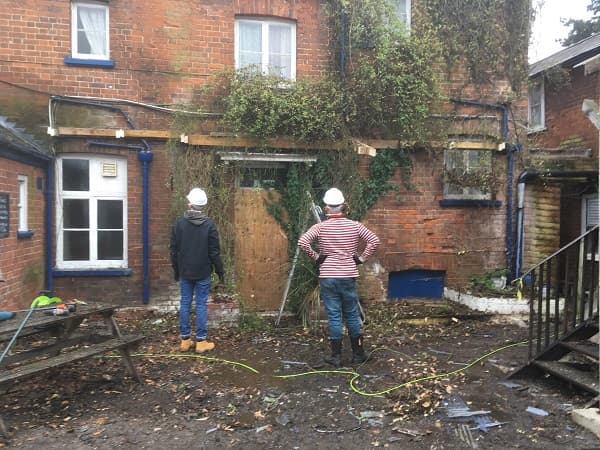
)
(3, 215)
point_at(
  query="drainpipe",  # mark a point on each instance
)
(526, 176)
(510, 150)
(144, 156)
(49, 194)
(510, 158)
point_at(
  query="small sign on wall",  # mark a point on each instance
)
(4, 214)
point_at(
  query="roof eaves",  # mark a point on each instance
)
(569, 56)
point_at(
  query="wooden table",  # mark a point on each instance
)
(47, 341)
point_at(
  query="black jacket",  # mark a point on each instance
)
(194, 247)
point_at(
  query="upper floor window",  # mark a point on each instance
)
(91, 211)
(23, 203)
(536, 104)
(468, 175)
(89, 30)
(267, 44)
(403, 10)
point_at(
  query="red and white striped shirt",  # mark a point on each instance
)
(338, 238)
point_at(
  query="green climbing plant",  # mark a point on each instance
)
(489, 36)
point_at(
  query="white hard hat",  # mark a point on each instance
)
(333, 197)
(197, 197)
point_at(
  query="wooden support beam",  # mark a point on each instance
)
(207, 140)
(247, 141)
(115, 133)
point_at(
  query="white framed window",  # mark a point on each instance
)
(536, 109)
(267, 44)
(89, 30)
(403, 11)
(23, 203)
(91, 210)
(468, 175)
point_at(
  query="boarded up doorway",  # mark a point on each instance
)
(261, 248)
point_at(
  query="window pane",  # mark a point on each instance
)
(250, 51)
(110, 214)
(76, 213)
(110, 245)
(91, 30)
(263, 178)
(280, 39)
(250, 37)
(280, 42)
(403, 13)
(536, 116)
(83, 45)
(454, 159)
(76, 246)
(76, 175)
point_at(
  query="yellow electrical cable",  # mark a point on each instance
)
(355, 375)
(431, 377)
(188, 355)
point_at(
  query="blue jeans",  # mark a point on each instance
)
(188, 289)
(340, 298)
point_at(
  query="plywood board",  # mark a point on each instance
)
(261, 257)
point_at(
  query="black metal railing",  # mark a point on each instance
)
(563, 292)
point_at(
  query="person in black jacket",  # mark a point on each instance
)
(195, 250)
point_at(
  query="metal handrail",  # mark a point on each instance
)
(573, 242)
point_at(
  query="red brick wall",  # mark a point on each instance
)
(162, 50)
(417, 233)
(128, 289)
(22, 260)
(564, 119)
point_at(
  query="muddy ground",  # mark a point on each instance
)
(265, 387)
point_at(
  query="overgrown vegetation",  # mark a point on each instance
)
(383, 83)
(489, 36)
(490, 283)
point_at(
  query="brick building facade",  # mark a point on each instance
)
(23, 170)
(560, 177)
(163, 53)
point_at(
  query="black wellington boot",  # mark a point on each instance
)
(358, 352)
(336, 353)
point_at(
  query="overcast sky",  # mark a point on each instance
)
(547, 27)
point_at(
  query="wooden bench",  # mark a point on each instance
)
(122, 344)
(46, 342)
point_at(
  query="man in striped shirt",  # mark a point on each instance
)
(338, 238)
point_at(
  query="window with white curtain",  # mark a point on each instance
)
(23, 203)
(270, 45)
(91, 212)
(89, 30)
(403, 10)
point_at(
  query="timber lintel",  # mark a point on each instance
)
(362, 146)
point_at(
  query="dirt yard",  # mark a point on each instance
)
(266, 388)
